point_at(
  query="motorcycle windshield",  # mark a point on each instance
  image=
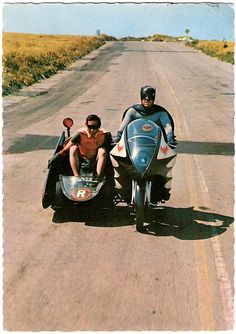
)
(143, 141)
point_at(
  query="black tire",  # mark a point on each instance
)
(60, 200)
(139, 207)
(49, 188)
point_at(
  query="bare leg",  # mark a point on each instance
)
(101, 160)
(74, 160)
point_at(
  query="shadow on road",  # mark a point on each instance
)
(160, 51)
(181, 223)
(209, 148)
(96, 217)
(28, 143)
(186, 223)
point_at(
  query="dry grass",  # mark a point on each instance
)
(222, 50)
(28, 58)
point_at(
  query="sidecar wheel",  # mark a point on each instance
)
(60, 199)
(139, 208)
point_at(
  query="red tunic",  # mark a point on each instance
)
(87, 145)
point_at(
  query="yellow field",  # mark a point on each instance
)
(221, 50)
(217, 46)
(27, 58)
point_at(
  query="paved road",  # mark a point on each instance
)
(93, 273)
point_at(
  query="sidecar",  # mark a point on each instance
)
(63, 190)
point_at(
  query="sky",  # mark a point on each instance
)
(120, 19)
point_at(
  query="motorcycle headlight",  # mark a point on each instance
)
(143, 158)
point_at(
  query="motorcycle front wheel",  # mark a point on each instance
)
(139, 201)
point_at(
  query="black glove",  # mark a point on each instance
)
(171, 141)
(118, 136)
(55, 160)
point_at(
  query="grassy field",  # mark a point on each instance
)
(221, 50)
(28, 58)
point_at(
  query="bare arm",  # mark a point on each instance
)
(66, 148)
(71, 142)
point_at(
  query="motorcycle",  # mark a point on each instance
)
(142, 163)
(63, 190)
(138, 168)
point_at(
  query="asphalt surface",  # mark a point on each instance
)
(93, 272)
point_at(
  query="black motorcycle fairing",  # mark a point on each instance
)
(143, 142)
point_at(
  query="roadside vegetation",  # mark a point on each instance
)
(153, 38)
(221, 50)
(162, 38)
(29, 58)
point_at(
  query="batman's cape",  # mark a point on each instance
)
(145, 112)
